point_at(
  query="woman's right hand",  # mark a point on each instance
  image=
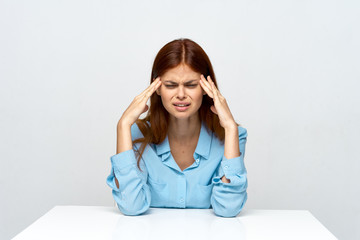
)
(138, 105)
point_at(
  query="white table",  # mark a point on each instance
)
(85, 222)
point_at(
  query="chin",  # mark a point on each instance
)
(177, 116)
(183, 115)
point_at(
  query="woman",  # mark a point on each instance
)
(188, 152)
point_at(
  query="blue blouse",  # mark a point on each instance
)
(162, 183)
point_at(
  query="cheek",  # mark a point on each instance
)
(165, 95)
(197, 94)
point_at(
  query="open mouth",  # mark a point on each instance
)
(182, 105)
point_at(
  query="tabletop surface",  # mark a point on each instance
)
(95, 222)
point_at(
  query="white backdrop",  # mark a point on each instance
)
(288, 69)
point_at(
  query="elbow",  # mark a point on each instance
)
(133, 207)
(132, 211)
(228, 211)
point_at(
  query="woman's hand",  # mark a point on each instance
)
(138, 105)
(220, 106)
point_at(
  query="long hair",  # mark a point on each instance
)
(154, 126)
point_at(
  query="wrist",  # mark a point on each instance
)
(231, 127)
(122, 124)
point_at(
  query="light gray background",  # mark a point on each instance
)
(289, 70)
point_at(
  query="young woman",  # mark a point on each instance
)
(188, 152)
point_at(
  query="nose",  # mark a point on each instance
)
(181, 93)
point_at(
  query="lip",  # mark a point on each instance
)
(182, 108)
(181, 103)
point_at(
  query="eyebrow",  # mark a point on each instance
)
(187, 82)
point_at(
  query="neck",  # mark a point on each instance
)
(184, 130)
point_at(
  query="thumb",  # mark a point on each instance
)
(213, 109)
(145, 108)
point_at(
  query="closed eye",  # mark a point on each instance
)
(174, 86)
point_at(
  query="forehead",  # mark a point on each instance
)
(180, 73)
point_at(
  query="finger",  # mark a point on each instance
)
(211, 83)
(214, 88)
(213, 109)
(151, 86)
(220, 97)
(206, 88)
(144, 96)
(205, 82)
(152, 90)
(145, 108)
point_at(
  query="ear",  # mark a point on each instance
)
(158, 91)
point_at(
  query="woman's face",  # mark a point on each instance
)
(180, 91)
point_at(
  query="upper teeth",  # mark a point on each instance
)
(181, 105)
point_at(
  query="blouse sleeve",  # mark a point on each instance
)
(228, 199)
(133, 196)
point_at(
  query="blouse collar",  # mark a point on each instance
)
(202, 147)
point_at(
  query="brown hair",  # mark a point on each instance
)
(179, 51)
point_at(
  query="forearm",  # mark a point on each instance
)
(124, 141)
(231, 146)
(229, 201)
(133, 195)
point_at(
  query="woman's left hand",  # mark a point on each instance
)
(220, 106)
